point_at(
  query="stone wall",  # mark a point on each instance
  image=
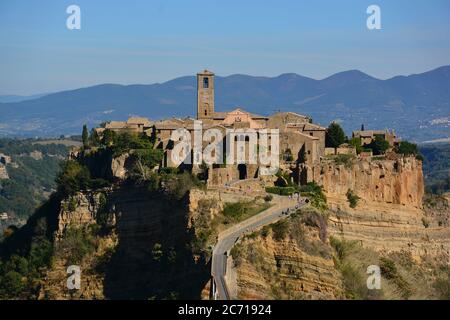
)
(220, 176)
(397, 181)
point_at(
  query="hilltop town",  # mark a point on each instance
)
(301, 144)
(235, 153)
(233, 205)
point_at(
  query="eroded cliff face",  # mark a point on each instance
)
(79, 210)
(281, 269)
(389, 223)
(144, 249)
(391, 228)
(398, 181)
(302, 265)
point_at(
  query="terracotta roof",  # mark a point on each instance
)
(369, 133)
(139, 120)
(312, 126)
(220, 115)
(306, 135)
(115, 125)
(281, 113)
(224, 114)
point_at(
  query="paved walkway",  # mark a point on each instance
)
(228, 238)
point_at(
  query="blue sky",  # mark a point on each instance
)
(154, 41)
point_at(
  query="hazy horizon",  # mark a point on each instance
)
(153, 42)
(217, 75)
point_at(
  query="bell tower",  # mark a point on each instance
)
(205, 95)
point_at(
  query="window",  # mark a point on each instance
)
(206, 112)
(205, 83)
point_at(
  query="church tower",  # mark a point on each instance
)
(205, 95)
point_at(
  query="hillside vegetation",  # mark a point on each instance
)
(436, 167)
(300, 258)
(32, 172)
(33, 258)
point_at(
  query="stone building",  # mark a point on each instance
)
(133, 124)
(367, 136)
(301, 143)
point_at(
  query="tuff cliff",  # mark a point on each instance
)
(133, 241)
(329, 259)
(396, 181)
(297, 265)
(146, 245)
(390, 227)
(390, 215)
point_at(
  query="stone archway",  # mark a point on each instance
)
(242, 168)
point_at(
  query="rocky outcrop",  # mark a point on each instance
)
(398, 181)
(104, 164)
(118, 169)
(301, 266)
(389, 228)
(4, 160)
(79, 210)
(3, 172)
(274, 269)
(146, 252)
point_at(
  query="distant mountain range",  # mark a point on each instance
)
(17, 98)
(416, 106)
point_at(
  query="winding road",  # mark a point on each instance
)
(229, 237)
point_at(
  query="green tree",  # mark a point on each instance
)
(280, 230)
(356, 142)
(352, 198)
(94, 139)
(72, 178)
(379, 145)
(85, 136)
(144, 160)
(109, 137)
(127, 141)
(157, 252)
(76, 177)
(315, 194)
(14, 282)
(406, 148)
(334, 136)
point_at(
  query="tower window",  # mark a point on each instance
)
(206, 112)
(205, 83)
